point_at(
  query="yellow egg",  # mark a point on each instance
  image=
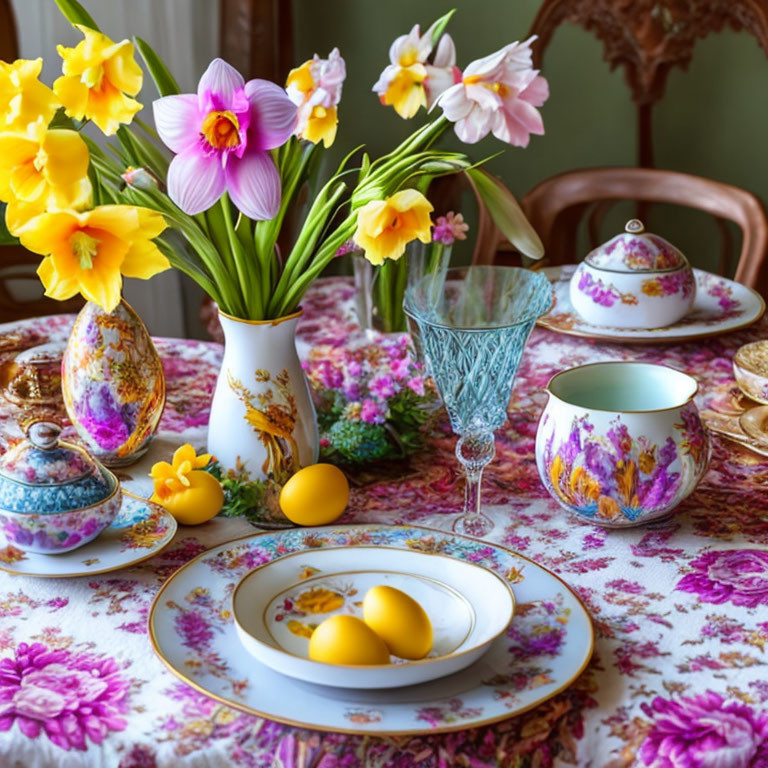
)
(196, 504)
(346, 639)
(315, 495)
(399, 621)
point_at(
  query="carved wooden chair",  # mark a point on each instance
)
(649, 38)
(21, 293)
(556, 207)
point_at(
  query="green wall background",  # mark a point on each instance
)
(712, 122)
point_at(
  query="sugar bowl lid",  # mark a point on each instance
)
(45, 475)
(636, 250)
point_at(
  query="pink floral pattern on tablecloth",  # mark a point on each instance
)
(71, 698)
(680, 609)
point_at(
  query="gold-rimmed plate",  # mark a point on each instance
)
(721, 306)
(140, 530)
(277, 606)
(545, 648)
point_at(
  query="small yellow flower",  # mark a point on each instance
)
(25, 102)
(406, 91)
(172, 478)
(385, 227)
(87, 252)
(46, 170)
(99, 77)
(321, 125)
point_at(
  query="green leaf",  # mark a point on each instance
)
(6, 238)
(506, 213)
(76, 14)
(164, 81)
(142, 152)
(439, 26)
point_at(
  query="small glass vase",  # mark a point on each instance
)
(379, 290)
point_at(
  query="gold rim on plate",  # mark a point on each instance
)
(597, 335)
(357, 731)
(173, 527)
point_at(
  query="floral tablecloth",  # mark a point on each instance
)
(678, 678)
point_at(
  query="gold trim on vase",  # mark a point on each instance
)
(360, 732)
(276, 320)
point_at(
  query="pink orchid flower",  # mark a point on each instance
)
(498, 94)
(221, 136)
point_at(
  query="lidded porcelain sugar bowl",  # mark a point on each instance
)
(54, 496)
(635, 280)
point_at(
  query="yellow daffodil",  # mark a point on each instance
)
(25, 102)
(99, 78)
(87, 252)
(315, 88)
(385, 227)
(45, 170)
(172, 478)
(411, 81)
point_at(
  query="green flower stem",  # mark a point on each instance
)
(389, 290)
(325, 253)
(184, 266)
(306, 242)
(401, 280)
(251, 293)
(435, 256)
(217, 228)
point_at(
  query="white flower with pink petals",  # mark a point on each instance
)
(498, 94)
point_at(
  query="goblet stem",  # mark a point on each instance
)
(475, 451)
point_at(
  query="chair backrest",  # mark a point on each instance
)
(21, 293)
(649, 39)
(556, 206)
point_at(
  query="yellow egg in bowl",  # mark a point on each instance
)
(279, 606)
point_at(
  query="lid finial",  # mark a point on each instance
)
(44, 434)
(634, 227)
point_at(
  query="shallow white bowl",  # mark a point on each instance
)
(275, 606)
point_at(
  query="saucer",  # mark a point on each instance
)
(277, 606)
(545, 648)
(140, 530)
(754, 422)
(721, 305)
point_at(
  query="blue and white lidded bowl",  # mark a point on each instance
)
(54, 496)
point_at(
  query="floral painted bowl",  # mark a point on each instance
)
(621, 444)
(54, 497)
(635, 280)
(750, 369)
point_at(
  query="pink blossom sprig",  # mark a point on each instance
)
(449, 228)
(372, 400)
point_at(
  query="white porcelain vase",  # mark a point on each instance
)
(263, 425)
